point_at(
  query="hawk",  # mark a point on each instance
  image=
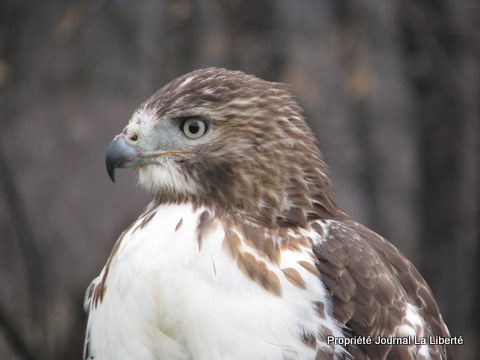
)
(242, 253)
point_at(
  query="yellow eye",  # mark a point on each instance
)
(194, 128)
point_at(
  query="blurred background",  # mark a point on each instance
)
(391, 89)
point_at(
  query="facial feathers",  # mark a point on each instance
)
(258, 158)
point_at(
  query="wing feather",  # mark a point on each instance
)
(373, 287)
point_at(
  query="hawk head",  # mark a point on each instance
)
(230, 141)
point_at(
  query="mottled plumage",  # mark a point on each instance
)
(242, 253)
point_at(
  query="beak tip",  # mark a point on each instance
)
(110, 170)
(120, 154)
(111, 175)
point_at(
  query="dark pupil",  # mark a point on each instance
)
(193, 127)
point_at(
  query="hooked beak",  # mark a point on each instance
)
(120, 154)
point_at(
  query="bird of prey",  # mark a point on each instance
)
(242, 253)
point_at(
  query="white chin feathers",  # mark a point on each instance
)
(165, 177)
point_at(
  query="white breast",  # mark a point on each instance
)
(165, 298)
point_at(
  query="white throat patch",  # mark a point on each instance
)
(165, 176)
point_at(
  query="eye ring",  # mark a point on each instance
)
(194, 128)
